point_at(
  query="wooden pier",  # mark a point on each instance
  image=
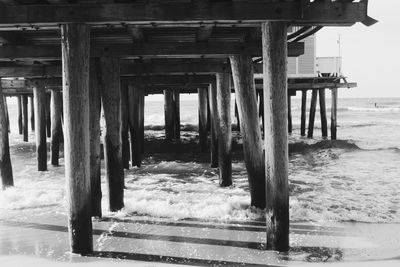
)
(112, 54)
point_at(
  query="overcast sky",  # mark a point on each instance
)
(371, 55)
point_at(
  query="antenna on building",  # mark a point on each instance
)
(340, 55)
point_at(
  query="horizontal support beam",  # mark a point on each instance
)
(160, 82)
(17, 91)
(192, 88)
(160, 12)
(10, 84)
(31, 71)
(327, 85)
(154, 50)
(147, 81)
(127, 69)
(171, 68)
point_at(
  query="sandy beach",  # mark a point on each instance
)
(141, 240)
(33, 222)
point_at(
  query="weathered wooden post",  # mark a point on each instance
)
(311, 118)
(56, 109)
(7, 115)
(124, 126)
(322, 110)
(19, 101)
(39, 93)
(135, 93)
(6, 173)
(212, 92)
(237, 113)
(224, 129)
(289, 103)
(169, 114)
(274, 45)
(176, 115)
(261, 109)
(202, 95)
(75, 39)
(110, 96)
(94, 129)
(208, 112)
(32, 105)
(334, 113)
(303, 112)
(25, 117)
(141, 119)
(243, 79)
(48, 115)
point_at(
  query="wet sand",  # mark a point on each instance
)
(36, 232)
(150, 241)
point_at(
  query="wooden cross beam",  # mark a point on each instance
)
(178, 13)
(31, 71)
(127, 69)
(12, 83)
(159, 82)
(192, 88)
(154, 50)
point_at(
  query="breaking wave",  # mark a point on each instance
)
(302, 147)
(377, 109)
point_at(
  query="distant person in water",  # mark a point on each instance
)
(376, 105)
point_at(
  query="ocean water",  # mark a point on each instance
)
(356, 178)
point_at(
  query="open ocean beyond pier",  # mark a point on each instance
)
(355, 179)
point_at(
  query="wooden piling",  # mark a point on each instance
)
(169, 114)
(7, 115)
(212, 92)
(110, 96)
(25, 117)
(176, 115)
(261, 109)
(289, 105)
(334, 114)
(56, 109)
(32, 109)
(274, 46)
(48, 115)
(19, 101)
(141, 119)
(141, 122)
(303, 112)
(124, 126)
(322, 110)
(39, 93)
(312, 113)
(202, 97)
(6, 173)
(75, 40)
(135, 94)
(94, 129)
(237, 114)
(224, 129)
(208, 112)
(243, 78)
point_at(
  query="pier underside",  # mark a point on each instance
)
(120, 51)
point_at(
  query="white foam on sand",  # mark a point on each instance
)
(18, 198)
(184, 190)
(33, 191)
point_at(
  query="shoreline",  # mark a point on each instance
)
(192, 242)
(38, 235)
